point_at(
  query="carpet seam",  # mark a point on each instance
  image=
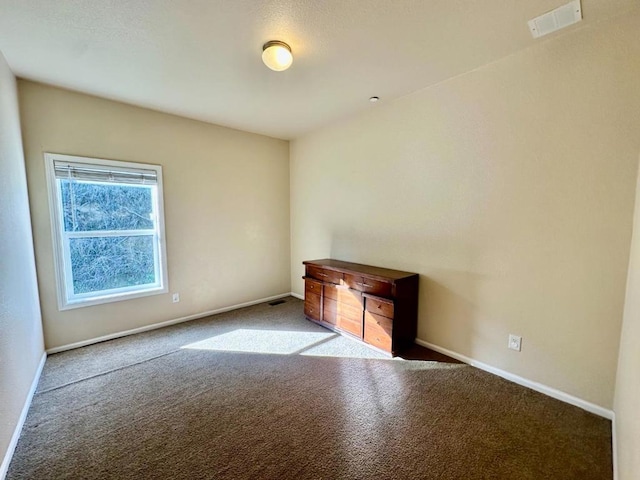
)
(58, 387)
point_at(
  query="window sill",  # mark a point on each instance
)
(115, 297)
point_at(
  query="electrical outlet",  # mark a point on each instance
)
(515, 342)
(176, 297)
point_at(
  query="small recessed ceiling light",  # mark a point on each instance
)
(374, 99)
(277, 55)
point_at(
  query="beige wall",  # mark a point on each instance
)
(226, 198)
(627, 398)
(509, 189)
(21, 346)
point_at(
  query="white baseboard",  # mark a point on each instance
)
(614, 447)
(297, 295)
(155, 326)
(4, 467)
(538, 387)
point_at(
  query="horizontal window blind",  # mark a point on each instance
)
(104, 173)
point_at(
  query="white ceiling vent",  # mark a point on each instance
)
(556, 19)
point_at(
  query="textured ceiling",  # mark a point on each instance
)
(201, 58)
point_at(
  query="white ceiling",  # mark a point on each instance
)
(201, 58)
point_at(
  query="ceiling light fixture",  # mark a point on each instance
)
(277, 55)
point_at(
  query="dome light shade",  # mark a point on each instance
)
(277, 55)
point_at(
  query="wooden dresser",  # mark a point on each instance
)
(376, 305)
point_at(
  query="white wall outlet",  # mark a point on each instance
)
(176, 297)
(515, 342)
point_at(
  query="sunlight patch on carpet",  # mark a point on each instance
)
(311, 344)
(262, 341)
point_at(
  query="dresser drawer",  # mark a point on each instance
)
(312, 305)
(323, 274)
(377, 287)
(378, 331)
(312, 286)
(349, 324)
(344, 295)
(329, 311)
(368, 285)
(345, 317)
(347, 311)
(379, 306)
(353, 281)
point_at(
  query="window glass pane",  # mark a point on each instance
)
(90, 206)
(104, 263)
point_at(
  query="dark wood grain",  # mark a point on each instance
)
(380, 306)
(344, 295)
(312, 304)
(377, 305)
(349, 324)
(340, 266)
(312, 286)
(324, 274)
(378, 330)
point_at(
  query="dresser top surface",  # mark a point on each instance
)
(357, 267)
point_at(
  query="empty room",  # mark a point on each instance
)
(286, 239)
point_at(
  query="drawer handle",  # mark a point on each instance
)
(323, 274)
(364, 284)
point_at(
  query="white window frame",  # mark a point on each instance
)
(61, 251)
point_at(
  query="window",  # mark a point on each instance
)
(108, 229)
